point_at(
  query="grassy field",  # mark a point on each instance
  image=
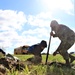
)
(42, 69)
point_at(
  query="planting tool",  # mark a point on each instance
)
(48, 50)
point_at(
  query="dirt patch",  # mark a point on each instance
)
(10, 64)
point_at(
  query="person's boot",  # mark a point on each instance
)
(72, 58)
(68, 63)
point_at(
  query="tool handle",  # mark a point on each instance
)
(48, 50)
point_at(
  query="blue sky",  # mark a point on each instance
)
(26, 22)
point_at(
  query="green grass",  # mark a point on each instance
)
(51, 58)
(42, 69)
(23, 57)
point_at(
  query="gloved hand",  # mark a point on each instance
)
(54, 53)
(51, 33)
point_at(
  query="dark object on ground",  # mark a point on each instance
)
(72, 52)
(59, 64)
(56, 64)
(2, 52)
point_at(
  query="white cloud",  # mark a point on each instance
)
(41, 20)
(32, 36)
(7, 38)
(10, 18)
(10, 22)
(38, 31)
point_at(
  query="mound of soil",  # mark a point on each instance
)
(10, 64)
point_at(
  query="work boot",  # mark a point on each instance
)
(68, 63)
(72, 58)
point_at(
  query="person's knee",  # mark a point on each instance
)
(35, 59)
(64, 54)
